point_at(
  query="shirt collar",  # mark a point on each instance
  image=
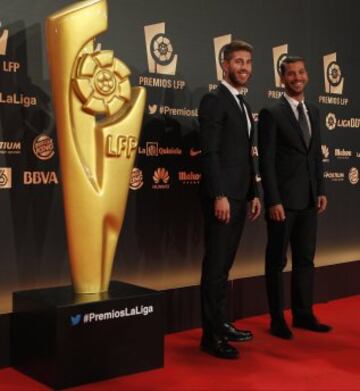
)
(232, 89)
(293, 102)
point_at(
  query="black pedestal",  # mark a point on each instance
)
(64, 340)
(4, 340)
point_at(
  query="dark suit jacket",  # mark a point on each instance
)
(291, 173)
(227, 165)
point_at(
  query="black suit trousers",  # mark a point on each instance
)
(221, 243)
(298, 229)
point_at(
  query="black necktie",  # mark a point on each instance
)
(243, 113)
(304, 124)
(241, 100)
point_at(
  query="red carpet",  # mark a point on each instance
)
(309, 362)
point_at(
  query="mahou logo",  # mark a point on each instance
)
(189, 178)
(160, 51)
(161, 179)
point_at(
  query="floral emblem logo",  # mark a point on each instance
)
(161, 175)
(162, 50)
(334, 74)
(331, 121)
(102, 83)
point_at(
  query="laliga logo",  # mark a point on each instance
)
(353, 176)
(160, 52)
(279, 54)
(3, 41)
(219, 43)
(334, 80)
(330, 121)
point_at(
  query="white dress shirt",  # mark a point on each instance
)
(294, 106)
(235, 93)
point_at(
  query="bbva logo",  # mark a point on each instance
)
(40, 178)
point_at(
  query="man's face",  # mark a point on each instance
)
(238, 69)
(295, 78)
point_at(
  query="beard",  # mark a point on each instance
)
(235, 81)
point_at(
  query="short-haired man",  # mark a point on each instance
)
(228, 183)
(292, 178)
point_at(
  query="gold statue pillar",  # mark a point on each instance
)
(98, 118)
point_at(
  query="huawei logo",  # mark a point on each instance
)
(161, 175)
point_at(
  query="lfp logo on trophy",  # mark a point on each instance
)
(98, 118)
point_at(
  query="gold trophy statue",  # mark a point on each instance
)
(98, 118)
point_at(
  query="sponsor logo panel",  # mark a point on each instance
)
(326, 153)
(4, 35)
(161, 179)
(161, 58)
(353, 176)
(10, 147)
(334, 176)
(40, 178)
(278, 53)
(8, 66)
(342, 153)
(189, 178)
(5, 178)
(333, 82)
(136, 179)
(152, 149)
(43, 147)
(332, 122)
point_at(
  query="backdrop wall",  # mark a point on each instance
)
(161, 243)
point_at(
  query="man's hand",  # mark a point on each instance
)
(255, 209)
(321, 203)
(222, 209)
(277, 213)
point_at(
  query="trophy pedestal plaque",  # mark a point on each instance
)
(63, 340)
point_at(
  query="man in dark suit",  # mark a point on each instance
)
(292, 177)
(228, 182)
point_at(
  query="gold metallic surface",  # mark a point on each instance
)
(96, 155)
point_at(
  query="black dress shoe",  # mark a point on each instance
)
(280, 329)
(312, 324)
(218, 347)
(234, 334)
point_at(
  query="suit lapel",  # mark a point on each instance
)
(231, 100)
(291, 116)
(251, 135)
(312, 116)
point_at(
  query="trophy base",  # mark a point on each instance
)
(63, 340)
